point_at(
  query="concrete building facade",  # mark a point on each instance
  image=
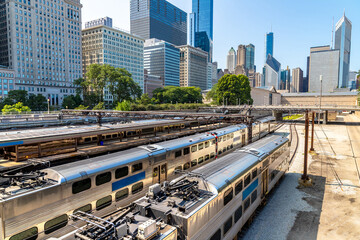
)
(325, 63)
(42, 43)
(214, 76)
(7, 82)
(297, 82)
(258, 79)
(158, 19)
(162, 59)
(193, 67)
(241, 56)
(263, 96)
(115, 47)
(152, 82)
(231, 60)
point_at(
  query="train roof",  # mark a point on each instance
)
(79, 169)
(226, 169)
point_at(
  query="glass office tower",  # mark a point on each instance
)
(158, 19)
(203, 11)
(343, 43)
(269, 45)
(250, 57)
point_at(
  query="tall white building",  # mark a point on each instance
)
(297, 83)
(108, 45)
(231, 60)
(41, 41)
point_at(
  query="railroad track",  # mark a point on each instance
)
(293, 129)
(353, 154)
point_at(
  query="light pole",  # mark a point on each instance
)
(48, 105)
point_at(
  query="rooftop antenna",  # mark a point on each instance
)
(332, 34)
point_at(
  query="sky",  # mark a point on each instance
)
(297, 25)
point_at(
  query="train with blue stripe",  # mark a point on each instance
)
(41, 207)
(212, 202)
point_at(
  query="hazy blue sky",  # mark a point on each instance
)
(297, 25)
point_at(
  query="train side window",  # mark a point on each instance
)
(213, 142)
(219, 139)
(220, 152)
(207, 157)
(238, 187)
(186, 166)
(253, 196)
(246, 204)
(224, 149)
(29, 234)
(228, 147)
(178, 168)
(254, 173)
(228, 225)
(201, 160)
(55, 224)
(232, 135)
(228, 195)
(212, 155)
(194, 163)
(103, 178)
(103, 202)
(216, 235)
(186, 151)
(194, 148)
(121, 172)
(201, 146)
(247, 180)
(137, 167)
(81, 185)
(178, 154)
(87, 208)
(122, 194)
(137, 187)
(238, 214)
(207, 144)
(228, 137)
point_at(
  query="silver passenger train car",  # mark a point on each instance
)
(212, 202)
(40, 205)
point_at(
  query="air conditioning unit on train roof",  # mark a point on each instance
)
(152, 148)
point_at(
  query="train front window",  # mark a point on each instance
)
(228, 196)
(186, 151)
(103, 178)
(137, 167)
(178, 154)
(81, 186)
(247, 180)
(121, 172)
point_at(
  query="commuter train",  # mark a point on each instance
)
(36, 205)
(212, 202)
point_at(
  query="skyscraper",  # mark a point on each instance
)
(269, 45)
(272, 72)
(42, 43)
(250, 57)
(162, 59)
(297, 83)
(343, 43)
(231, 60)
(285, 79)
(158, 19)
(203, 13)
(241, 56)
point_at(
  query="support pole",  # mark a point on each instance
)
(305, 176)
(312, 132)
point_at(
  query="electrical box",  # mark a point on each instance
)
(147, 230)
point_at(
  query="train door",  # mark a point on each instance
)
(243, 139)
(265, 182)
(160, 173)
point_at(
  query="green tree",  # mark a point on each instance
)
(18, 96)
(81, 107)
(145, 99)
(71, 101)
(233, 88)
(99, 106)
(123, 106)
(211, 95)
(37, 102)
(173, 94)
(121, 85)
(16, 108)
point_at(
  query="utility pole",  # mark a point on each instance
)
(312, 132)
(305, 176)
